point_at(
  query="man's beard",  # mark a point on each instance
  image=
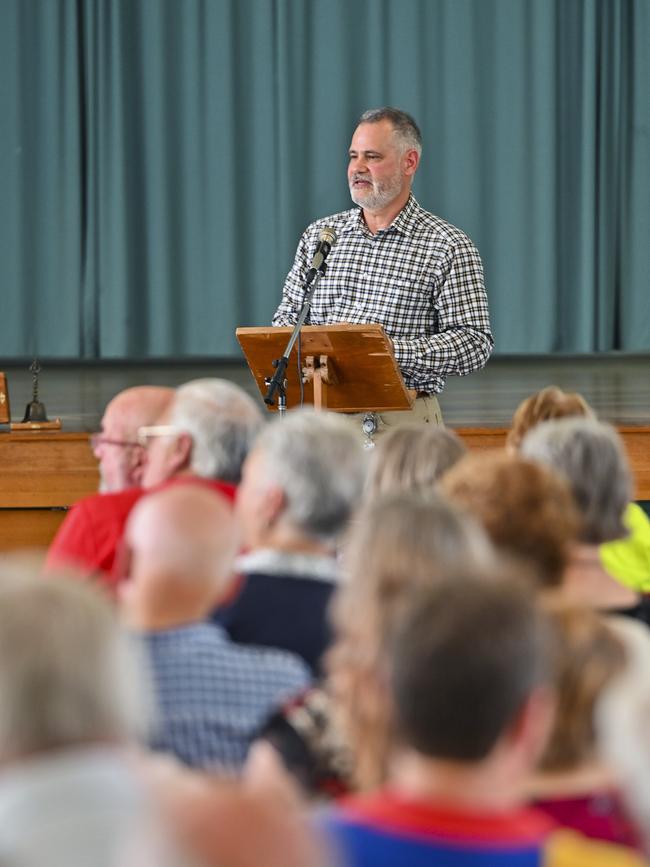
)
(379, 195)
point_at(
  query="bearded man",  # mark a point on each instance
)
(398, 265)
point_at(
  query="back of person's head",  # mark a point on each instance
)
(67, 677)
(412, 457)
(316, 461)
(527, 509)
(549, 403)
(622, 714)
(469, 653)
(398, 545)
(587, 655)
(590, 455)
(181, 542)
(223, 422)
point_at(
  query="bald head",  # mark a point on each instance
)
(120, 457)
(182, 542)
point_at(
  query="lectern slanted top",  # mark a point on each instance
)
(363, 371)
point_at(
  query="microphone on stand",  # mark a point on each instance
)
(326, 241)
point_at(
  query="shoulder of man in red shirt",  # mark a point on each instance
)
(91, 533)
(88, 536)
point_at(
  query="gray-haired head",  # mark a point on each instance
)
(406, 129)
(67, 675)
(318, 461)
(223, 421)
(591, 456)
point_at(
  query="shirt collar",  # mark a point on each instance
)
(405, 222)
(267, 561)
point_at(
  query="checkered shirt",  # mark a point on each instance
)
(214, 695)
(421, 278)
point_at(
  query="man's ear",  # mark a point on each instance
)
(532, 725)
(180, 456)
(410, 162)
(273, 504)
(137, 464)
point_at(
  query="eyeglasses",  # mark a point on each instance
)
(98, 439)
(145, 434)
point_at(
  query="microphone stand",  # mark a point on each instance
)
(277, 382)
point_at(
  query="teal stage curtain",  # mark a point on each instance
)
(161, 157)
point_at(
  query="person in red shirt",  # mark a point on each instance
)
(116, 446)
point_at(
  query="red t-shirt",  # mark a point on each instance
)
(91, 534)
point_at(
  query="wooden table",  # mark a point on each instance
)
(41, 475)
(636, 440)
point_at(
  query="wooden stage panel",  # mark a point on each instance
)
(478, 407)
(28, 528)
(41, 475)
(635, 439)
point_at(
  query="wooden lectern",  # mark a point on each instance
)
(345, 368)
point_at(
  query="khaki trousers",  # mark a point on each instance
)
(425, 410)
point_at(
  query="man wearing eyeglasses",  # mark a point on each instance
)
(116, 446)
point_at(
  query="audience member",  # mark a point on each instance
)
(398, 545)
(622, 714)
(92, 523)
(626, 559)
(202, 438)
(545, 405)
(301, 484)
(72, 701)
(242, 823)
(412, 458)
(527, 509)
(212, 694)
(572, 782)
(116, 446)
(468, 678)
(590, 455)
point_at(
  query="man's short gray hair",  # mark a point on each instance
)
(67, 675)
(406, 129)
(223, 421)
(318, 460)
(591, 456)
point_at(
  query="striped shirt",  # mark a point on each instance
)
(421, 278)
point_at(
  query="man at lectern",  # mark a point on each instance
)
(398, 265)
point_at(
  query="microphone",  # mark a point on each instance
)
(326, 241)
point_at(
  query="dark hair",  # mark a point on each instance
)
(403, 124)
(469, 653)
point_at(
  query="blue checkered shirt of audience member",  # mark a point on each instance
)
(421, 278)
(213, 695)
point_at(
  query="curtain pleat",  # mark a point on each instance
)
(160, 159)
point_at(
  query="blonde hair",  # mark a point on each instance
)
(399, 544)
(412, 458)
(588, 655)
(549, 403)
(67, 673)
